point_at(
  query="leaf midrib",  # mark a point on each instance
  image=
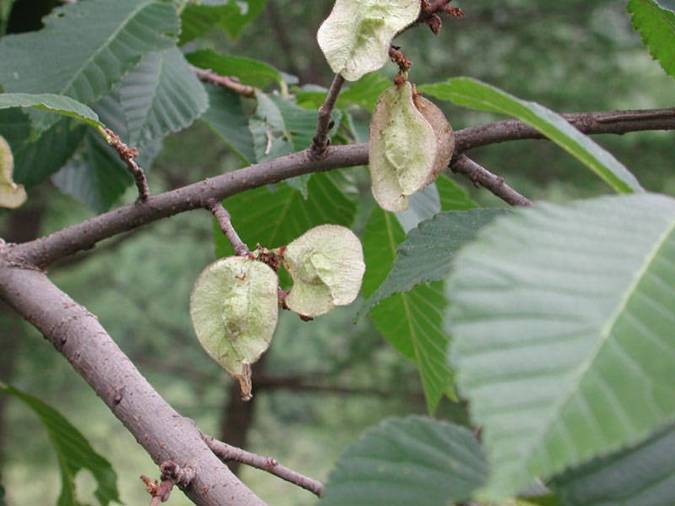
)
(103, 46)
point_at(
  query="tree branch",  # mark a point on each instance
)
(78, 335)
(483, 177)
(619, 123)
(225, 223)
(44, 251)
(320, 141)
(227, 453)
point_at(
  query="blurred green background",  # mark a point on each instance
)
(323, 382)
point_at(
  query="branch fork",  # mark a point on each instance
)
(171, 474)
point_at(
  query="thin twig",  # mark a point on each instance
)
(225, 223)
(324, 123)
(128, 156)
(483, 177)
(231, 83)
(227, 453)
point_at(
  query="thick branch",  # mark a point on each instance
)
(483, 177)
(227, 453)
(85, 235)
(166, 435)
(320, 141)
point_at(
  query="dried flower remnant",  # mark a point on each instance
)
(327, 267)
(234, 310)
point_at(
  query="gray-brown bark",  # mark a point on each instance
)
(77, 334)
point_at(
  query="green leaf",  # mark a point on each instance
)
(655, 20)
(275, 217)
(226, 118)
(452, 196)
(35, 159)
(280, 127)
(65, 106)
(429, 249)
(73, 451)
(247, 70)
(85, 48)
(412, 322)
(363, 93)
(475, 94)
(160, 96)
(231, 16)
(644, 476)
(406, 461)
(562, 320)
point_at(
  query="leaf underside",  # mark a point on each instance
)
(562, 321)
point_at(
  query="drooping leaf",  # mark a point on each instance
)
(247, 70)
(225, 116)
(562, 320)
(73, 451)
(86, 47)
(402, 149)
(234, 309)
(478, 95)
(231, 16)
(326, 264)
(35, 159)
(412, 322)
(643, 475)
(429, 249)
(275, 217)
(406, 461)
(161, 95)
(59, 104)
(12, 195)
(355, 38)
(655, 20)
